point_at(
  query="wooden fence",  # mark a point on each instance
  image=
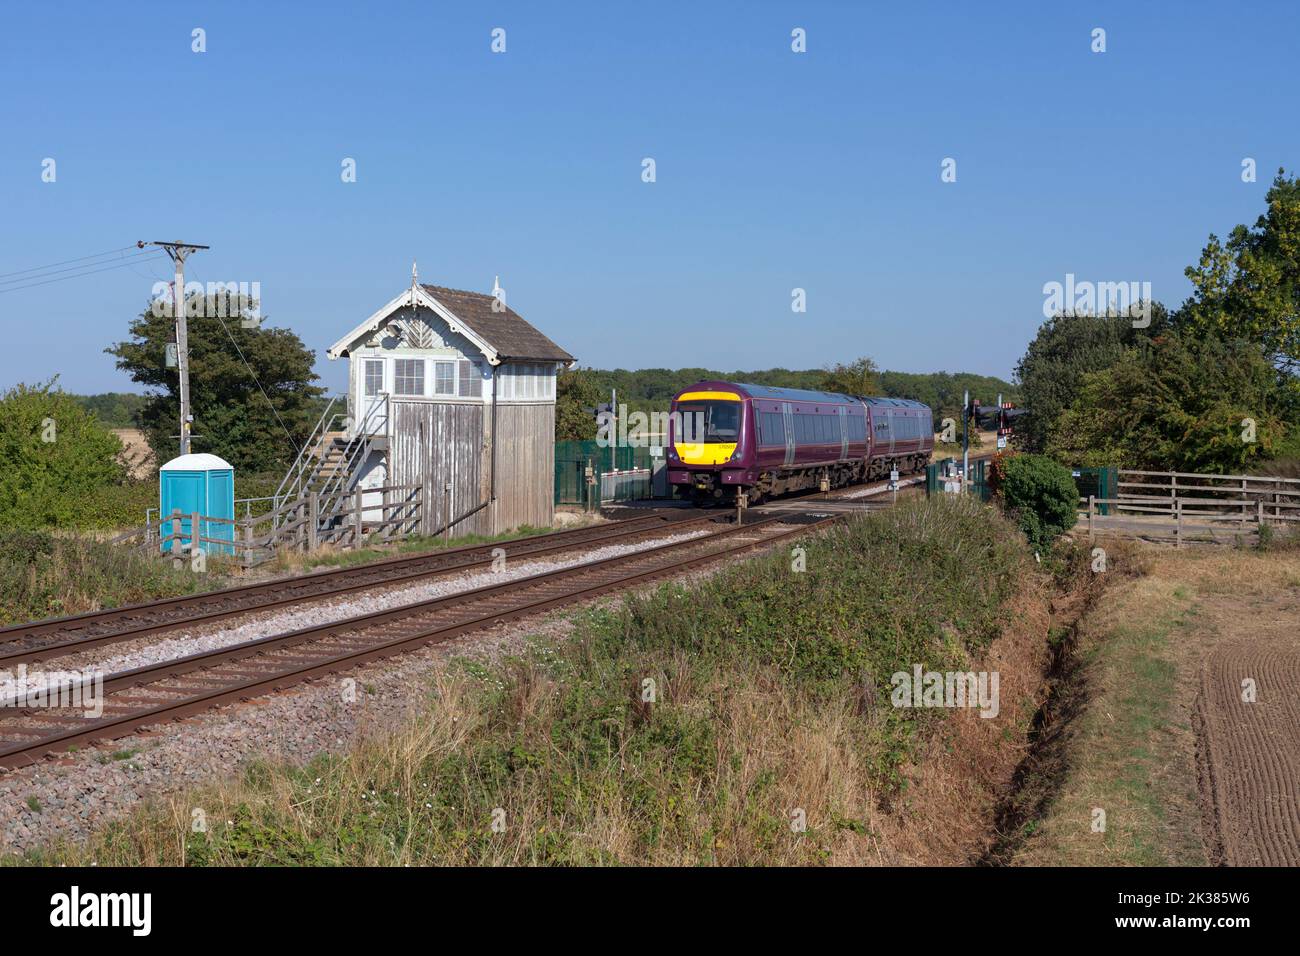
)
(1186, 505)
(339, 518)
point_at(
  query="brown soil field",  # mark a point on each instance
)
(137, 456)
(1187, 770)
(1248, 736)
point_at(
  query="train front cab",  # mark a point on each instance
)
(707, 443)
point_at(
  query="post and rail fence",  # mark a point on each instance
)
(341, 518)
(1190, 506)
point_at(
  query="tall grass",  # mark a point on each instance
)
(46, 575)
(771, 700)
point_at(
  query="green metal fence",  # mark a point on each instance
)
(935, 474)
(1097, 482)
(608, 466)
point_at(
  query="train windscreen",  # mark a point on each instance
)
(718, 420)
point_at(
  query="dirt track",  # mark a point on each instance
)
(1249, 753)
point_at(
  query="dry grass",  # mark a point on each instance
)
(758, 725)
(1133, 745)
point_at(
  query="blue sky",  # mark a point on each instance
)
(775, 170)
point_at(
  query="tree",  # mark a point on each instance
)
(1181, 403)
(232, 417)
(576, 394)
(1066, 349)
(1250, 286)
(859, 377)
(54, 455)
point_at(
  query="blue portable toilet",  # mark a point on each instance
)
(202, 483)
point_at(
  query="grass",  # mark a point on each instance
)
(44, 575)
(688, 725)
(1132, 745)
(1121, 763)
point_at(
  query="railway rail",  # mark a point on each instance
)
(59, 637)
(185, 686)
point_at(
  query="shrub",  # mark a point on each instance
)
(54, 456)
(1042, 497)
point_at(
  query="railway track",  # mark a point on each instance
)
(185, 686)
(59, 637)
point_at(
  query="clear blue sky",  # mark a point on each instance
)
(774, 170)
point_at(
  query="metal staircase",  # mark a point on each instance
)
(329, 464)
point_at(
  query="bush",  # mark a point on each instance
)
(54, 456)
(1042, 497)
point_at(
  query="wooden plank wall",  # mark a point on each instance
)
(433, 442)
(525, 466)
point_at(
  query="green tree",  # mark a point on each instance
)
(1180, 403)
(1249, 287)
(253, 431)
(576, 394)
(859, 377)
(1066, 349)
(54, 457)
(1041, 496)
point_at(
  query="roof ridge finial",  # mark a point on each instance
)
(415, 274)
(496, 284)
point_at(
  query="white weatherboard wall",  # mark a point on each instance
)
(439, 424)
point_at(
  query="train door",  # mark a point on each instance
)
(787, 419)
(842, 416)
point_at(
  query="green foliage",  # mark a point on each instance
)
(576, 394)
(562, 738)
(43, 575)
(1180, 404)
(1250, 285)
(114, 409)
(232, 418)
(1041, 496)
(1063, 353)
(54, 456)
(859, 377)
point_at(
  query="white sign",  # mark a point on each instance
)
(1002, 441)
(893, 475)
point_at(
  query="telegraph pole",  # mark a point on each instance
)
(178, 252)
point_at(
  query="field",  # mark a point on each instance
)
(1179, 720)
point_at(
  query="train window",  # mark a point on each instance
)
(772, 429)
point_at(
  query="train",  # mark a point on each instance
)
(725, 438)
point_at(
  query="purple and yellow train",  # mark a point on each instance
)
(725, 438)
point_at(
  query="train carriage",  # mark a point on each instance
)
(726, 437)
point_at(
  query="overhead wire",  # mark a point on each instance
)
(63, 262)
(121, 264)
(253, 375)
